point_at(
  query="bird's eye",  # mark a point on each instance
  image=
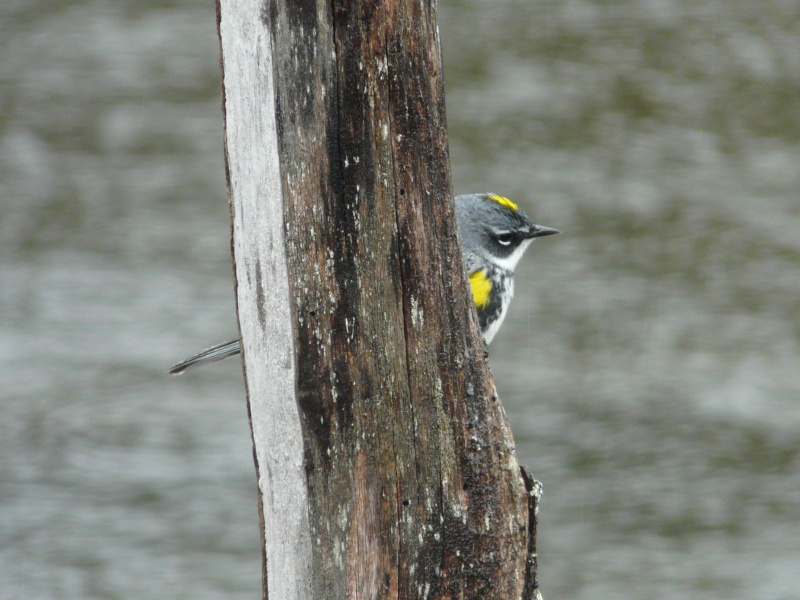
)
(505, 239)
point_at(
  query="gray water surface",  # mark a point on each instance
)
(650, 365)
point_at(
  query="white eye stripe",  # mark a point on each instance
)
(504, 238)
(509, 263)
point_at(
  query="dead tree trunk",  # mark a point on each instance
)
(385, 464)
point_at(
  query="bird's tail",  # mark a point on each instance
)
(208, 355)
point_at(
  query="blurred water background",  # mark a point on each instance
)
(650, 365)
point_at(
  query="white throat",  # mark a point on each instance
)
(509, 263)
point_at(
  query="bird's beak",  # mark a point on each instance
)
(541, 231)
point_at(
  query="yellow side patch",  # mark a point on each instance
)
(481, 286)
(503, 201)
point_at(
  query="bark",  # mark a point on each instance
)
(385, 463)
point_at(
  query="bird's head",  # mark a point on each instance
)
(494, 227)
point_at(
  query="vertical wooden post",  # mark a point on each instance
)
(385, 463)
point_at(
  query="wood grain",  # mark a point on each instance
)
(385, 460)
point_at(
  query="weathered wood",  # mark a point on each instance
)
(534, 489)
(384, 458)
(266, 320)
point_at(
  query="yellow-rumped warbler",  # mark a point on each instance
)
(494, 235)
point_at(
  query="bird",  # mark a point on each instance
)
(494, 232)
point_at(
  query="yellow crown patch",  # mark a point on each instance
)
(503, 201)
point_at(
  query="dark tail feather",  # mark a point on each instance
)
(209, 355)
